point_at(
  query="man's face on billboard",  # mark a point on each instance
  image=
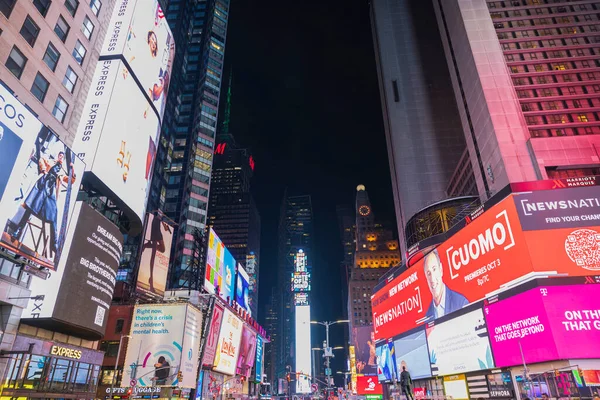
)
(433, 273)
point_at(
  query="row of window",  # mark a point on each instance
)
(518, 3)
(16, 64)
(560, 105)
(538, 22)
(560, 118)
(588, 130)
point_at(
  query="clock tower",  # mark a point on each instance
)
(365, 221)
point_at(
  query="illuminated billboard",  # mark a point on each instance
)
(86, 278)
(220, 268)
(364, 344)
(559, 322)
(212, 339)
(252, 270)
(228, 346)
(247, 352)
(117, 136)
(165, 339)
(242, 295)
(460, 345)
(300, 261)
(303, 350)
(411, 353)
(300, 281)
(38, 185)
(301, 299)
(386, 362)
(368, 384)
(504, 244)
(139, 32)
(156, 251)
(258, 366)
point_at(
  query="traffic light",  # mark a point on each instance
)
(180, 376)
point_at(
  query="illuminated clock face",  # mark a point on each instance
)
(364, 210)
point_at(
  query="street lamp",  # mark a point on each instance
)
(112, 383)
(327, 324)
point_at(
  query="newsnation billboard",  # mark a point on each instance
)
(156, 251)
(165, 339)
(86, 277)
(39, 181)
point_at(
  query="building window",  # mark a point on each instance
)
(60, 109)
(95, 5)
(71, 6)
(79, 52)
(42, 6)
(30, 31)
(16, 62)
(70, 79)
(51, 56)
(582, 118)
(6, 7)
(120, 323)
(87, 28)
(40, 87)
(62, 29)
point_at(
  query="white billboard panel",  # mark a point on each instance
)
(140, 33)
(303, 349)
(164, 340)
(228, 347)
(117, 135)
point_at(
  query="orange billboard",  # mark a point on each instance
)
(490, 253)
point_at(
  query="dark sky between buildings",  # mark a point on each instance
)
(306, 101)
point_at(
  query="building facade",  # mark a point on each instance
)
(525, 76)
(424, 134)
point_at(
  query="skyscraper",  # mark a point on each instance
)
(180, 185)
(525, 75)
(424, 133)
(232, 212)
(295, 234)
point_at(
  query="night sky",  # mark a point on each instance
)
(306, 101)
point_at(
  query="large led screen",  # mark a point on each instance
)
(247, 352)
(220, 268)
(460, 345)
(368, 385)
(258, 366)
(86, 277)
(387, 369)
(117, 136)
(228, 274)
(140, 33)
(212, 339)
(228, 346)
(38, 185)
(164, 340)
(559, 322)
(411, 353)
(242, 294)
(303, 349)
(364, 343)
(156, 251)
(491, 251)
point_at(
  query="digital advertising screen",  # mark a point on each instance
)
(456, 386)
(212, 339)
(364, 344)
(368, 384)
(213, 280)
(38, 185)
(258, 366)
(460, 345)
(139, 31)
(156, 251)
(548, 322)
(117, 136)
(252, 270)
(228, 274)
(247, 352)
(228, 346)
(301, 299)
(303, 349)
(86, 277)
(165, 337)
(386, 362)
(300, 281)
(242, 291)
(411, 352)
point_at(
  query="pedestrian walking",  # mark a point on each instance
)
(406, 383)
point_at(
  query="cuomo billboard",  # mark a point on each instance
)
(500, 247)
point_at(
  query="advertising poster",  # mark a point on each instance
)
(460, 345)
(455, 386)
(228, 274)
(156, 251)
(140, 33)
(364, 344)
(210, 347)
(411, 352)
(242, 293)
(247, 352)
(368, 384)
(228, 346)
(559, 322)
(86, 277)
(158, 336)
(303, 349)
(39, 181)
(117, 135)
(213, 281)
(386, 362)
(190, 348)
(258, 369)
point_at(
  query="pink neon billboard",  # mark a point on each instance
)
(545, 323)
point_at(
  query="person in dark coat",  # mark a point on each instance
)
(406, 383)
(42, 198)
